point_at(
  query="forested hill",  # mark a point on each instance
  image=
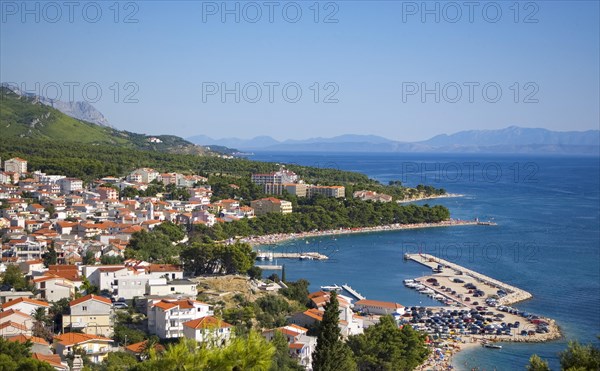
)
(25, 117)
(90, 161)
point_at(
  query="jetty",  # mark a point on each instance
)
(270, 267)
(353, 292)
(514, 294)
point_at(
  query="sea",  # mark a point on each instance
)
(546, 241)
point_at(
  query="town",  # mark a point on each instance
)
(68, 281)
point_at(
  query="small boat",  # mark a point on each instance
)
(333, 287)
(306, 257)
(492, 346)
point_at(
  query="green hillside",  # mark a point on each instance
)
(25, 117)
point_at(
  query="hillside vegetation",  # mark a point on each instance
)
(26, 117)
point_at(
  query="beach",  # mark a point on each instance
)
(271, 239)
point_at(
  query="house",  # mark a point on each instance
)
(53, 288)
(301, 346)
(69, 185)
(271, 205)
(9, 329)
(8, 295)
(107, 193)
(143, 175)
(365, 195)
(53, 359)
(18, 317)
(96, 347)
(378, 307)
(137, 349)
(166, 317)
(32, 267)
(38, 345)
(161, 286)
(91, 314)
(25, 305)
(209, 329)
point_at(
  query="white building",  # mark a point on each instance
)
(53, 288)
(166, 317)
(378, 307)
(69, 185)
(209, 329)
(16, 165)
(92, 314)
(160, 287)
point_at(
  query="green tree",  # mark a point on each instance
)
(387, 347)
(580, 357)
(118, 361)
(50, 257)
(15, 278)
(125, 335)
(331, 353)
(171, 230)
(255, 272)
(88, 258)
(537, 364)
(150, 246)
(281, 359)
(16, 356)
(111, 260)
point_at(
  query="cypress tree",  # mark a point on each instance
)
(331, 353)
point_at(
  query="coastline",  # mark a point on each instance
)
(447, 195)
(271, 239)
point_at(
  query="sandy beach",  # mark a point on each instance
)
(282, 237)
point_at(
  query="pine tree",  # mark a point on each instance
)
(283, 274)
(331, 353)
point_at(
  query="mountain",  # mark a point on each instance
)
(516, 136)
(79, 110)
(26, 116)
(512, 139)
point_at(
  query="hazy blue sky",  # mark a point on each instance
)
(371, 61)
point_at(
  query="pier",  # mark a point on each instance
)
(270, 267)
(353, 292)
(514, 294)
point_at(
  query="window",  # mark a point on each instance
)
(84, 308)
(172, 288)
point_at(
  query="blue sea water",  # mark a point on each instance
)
(547, 240)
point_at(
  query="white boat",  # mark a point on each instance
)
(306, 257)
(333, 287)
(492, 346)
(406, 282)
(426, 291)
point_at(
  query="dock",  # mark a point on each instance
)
(514, 294)
(298, 255)
(353, 292)
(270, 267)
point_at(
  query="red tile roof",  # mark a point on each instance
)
(207, 322)
(90, 297)
(24, 338)
(9, 304)
(71, 338)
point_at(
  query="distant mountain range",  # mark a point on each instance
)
(512, 139)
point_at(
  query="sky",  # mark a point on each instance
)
(400, 69)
